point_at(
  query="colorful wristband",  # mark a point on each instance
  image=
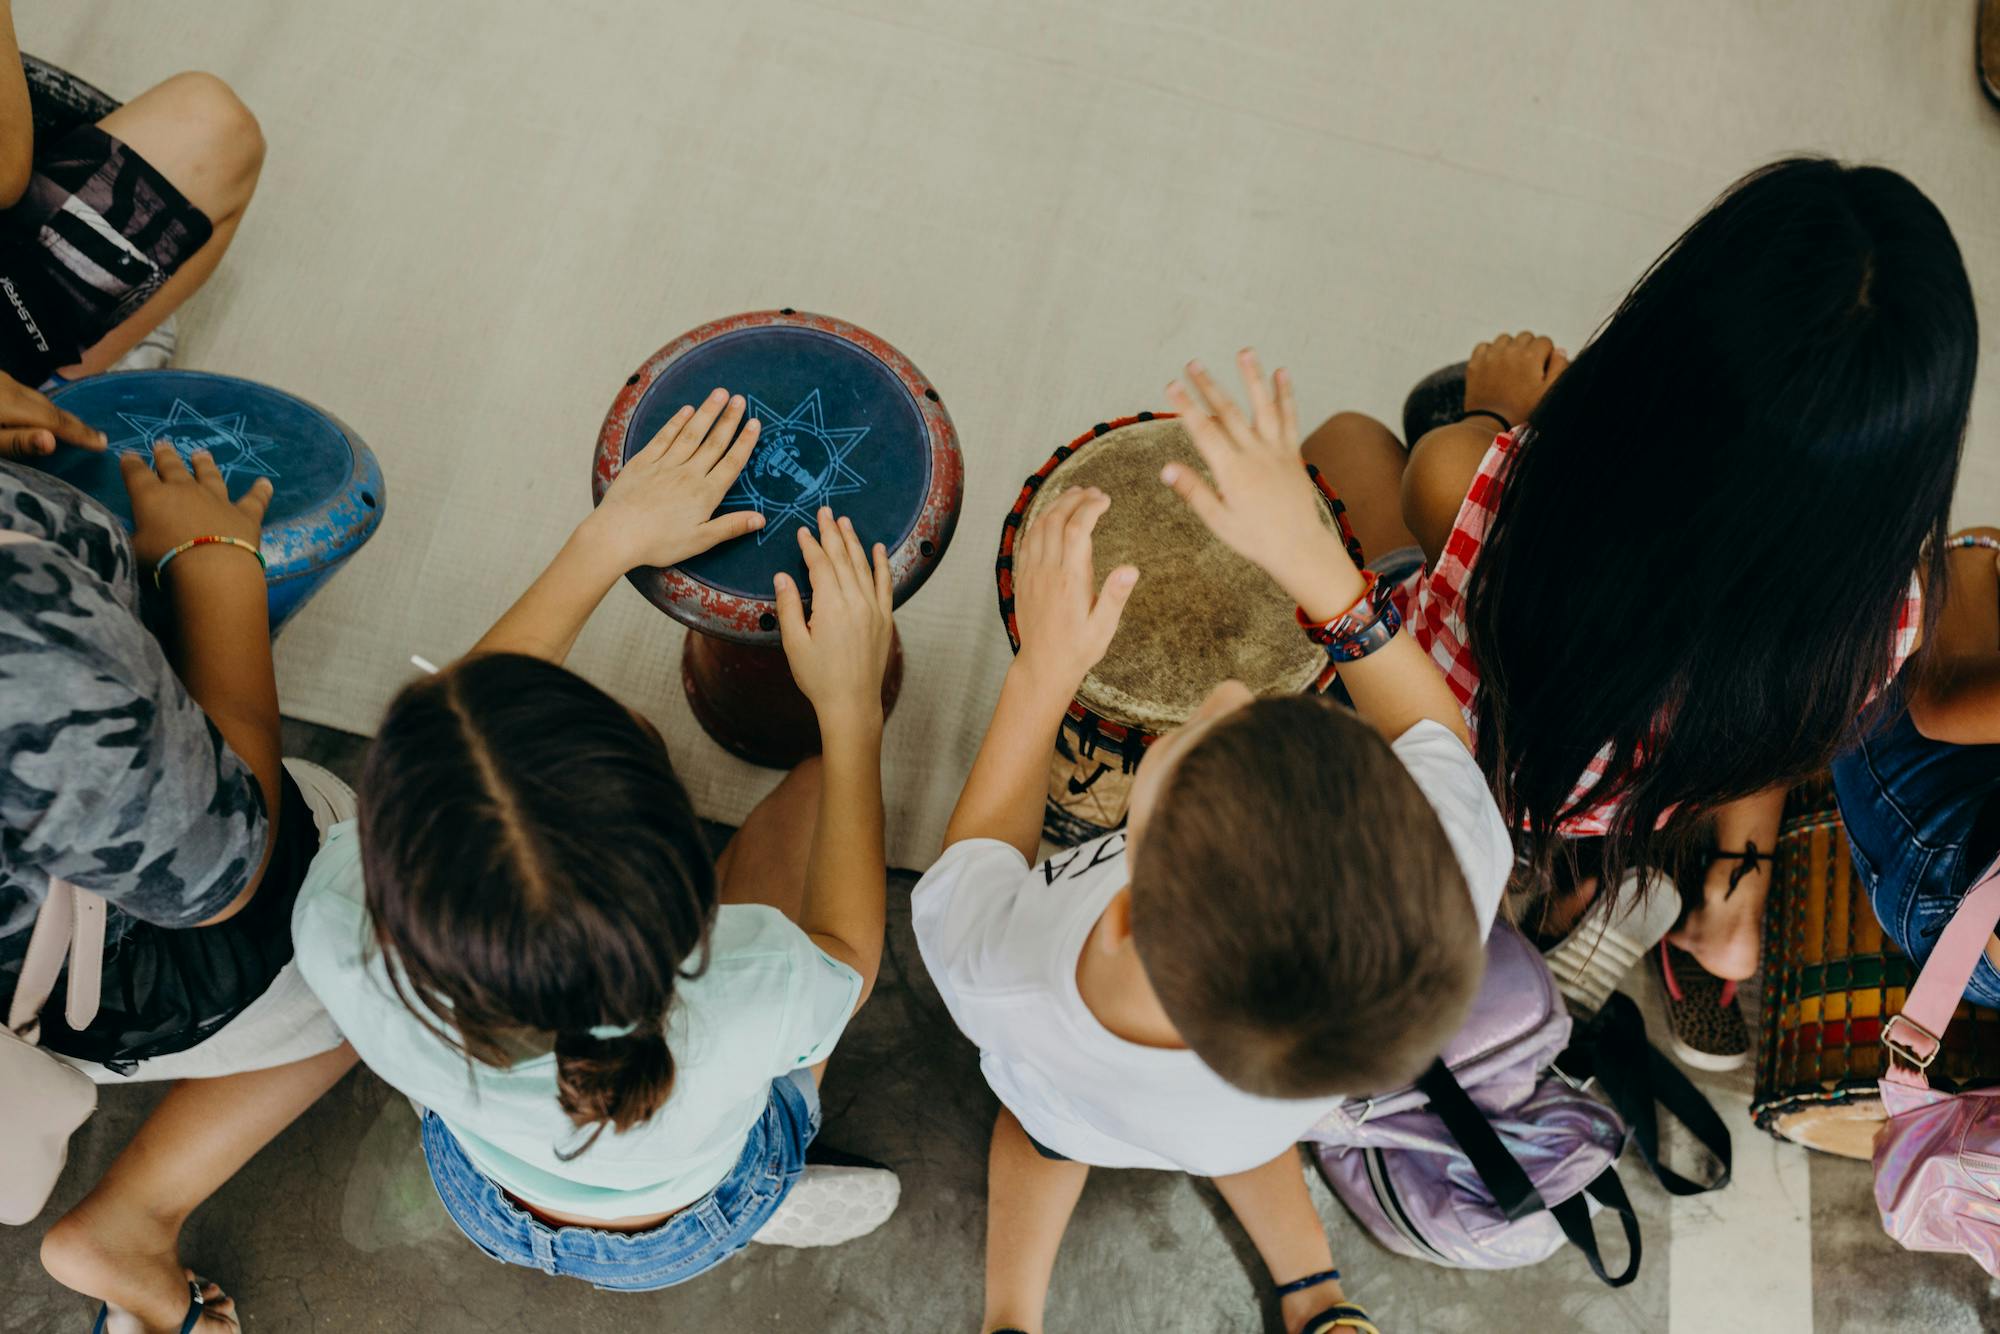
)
(1361, 609)
(1973, 540)
(211, 540)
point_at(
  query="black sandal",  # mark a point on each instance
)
(1344, 1316)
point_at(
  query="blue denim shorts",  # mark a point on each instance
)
(1923, 818)
(696, 1239)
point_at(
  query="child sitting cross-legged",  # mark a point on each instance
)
(1294, 914)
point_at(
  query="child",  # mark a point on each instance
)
(1920, 794)
(1295, 913)
(149, 774)
(617, 1042)
(1667, 580)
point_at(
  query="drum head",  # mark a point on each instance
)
(1201, 614)
(252, 430)
(847, 422)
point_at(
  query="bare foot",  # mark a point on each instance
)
(1725, 931)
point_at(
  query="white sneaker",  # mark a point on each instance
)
(833, 1202)
(156, 350)
(329, 799)
(1593, 959)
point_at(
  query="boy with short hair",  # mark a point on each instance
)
(1295, 913)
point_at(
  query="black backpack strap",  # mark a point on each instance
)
(1638, 1080)
(1573, 1215)
(1512, 1191)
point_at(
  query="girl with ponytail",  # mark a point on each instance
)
(615, 1038)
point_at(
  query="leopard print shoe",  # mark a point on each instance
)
(1707, 1028)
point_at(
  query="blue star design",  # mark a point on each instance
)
(785, 482)
(236, 450)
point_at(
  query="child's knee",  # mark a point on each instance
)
(214, 113)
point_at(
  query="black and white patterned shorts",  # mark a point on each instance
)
(97, 232)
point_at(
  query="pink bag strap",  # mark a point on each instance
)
(70, 925)
(1917, 1033)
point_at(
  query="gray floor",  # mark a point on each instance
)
(335, 1226)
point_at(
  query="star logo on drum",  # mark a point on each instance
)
(237, 452)
(799, 464)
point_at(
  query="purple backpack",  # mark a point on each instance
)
(1497, 1155)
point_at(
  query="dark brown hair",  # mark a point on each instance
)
(1298, 909)
(534, 871)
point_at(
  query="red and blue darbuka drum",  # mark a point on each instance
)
(1200, 615)
(848, 422)
(326, 488)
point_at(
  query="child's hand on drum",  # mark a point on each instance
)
(660, 509)
(1264, 503)
(171, 505)
(839, 655)
(1065, 621)
(30, 425)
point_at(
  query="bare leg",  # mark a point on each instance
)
(121, 1243)
(1029, 1199)
(1274, 1207)
(198, 135)
(1364, 461)
(765, 862)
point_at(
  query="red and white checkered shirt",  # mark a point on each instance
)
(1433, 606)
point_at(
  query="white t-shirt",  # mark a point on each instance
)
(769, 1002)
(1002, 939)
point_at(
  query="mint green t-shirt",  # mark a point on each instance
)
(770, 1002)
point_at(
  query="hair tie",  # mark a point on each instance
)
(610, 1032)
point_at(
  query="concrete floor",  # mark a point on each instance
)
(335, 1226)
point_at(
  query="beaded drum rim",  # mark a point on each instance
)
(754, 620)
(1093, 729)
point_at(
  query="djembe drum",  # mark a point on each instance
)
(327, 495)
(1831, 980)
(1200, 615)
(849, 422)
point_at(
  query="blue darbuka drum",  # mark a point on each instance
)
(326, 488)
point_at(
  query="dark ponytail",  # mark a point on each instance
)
(616, 1081)
(537, 879)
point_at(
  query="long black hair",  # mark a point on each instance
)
(534, 871)
(1702, 551)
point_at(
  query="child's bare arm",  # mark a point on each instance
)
(221, 640)
(1066, 625)
(837, 658)
(1265, 506)
(17, 120)
(1957, 695)
(656, 512)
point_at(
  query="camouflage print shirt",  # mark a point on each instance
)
(111, 776)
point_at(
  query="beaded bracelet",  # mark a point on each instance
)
(1973, 540)
(1325, 632)
(211, 540)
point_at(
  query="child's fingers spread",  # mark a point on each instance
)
(205, 470)
(718, 440)
(167, 462)
(817, 568)
(1081, 523)
(731, 464)
(1263, 407)
(885, 587)
(1111, 600)
(1288, 406)
(1220, 405)
(26, 443)
(1187, 484)
(791, 613)
(838, 560)
(696, 429)
(664, 439)
(728, 527)
(857, 554)
(256, 500)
